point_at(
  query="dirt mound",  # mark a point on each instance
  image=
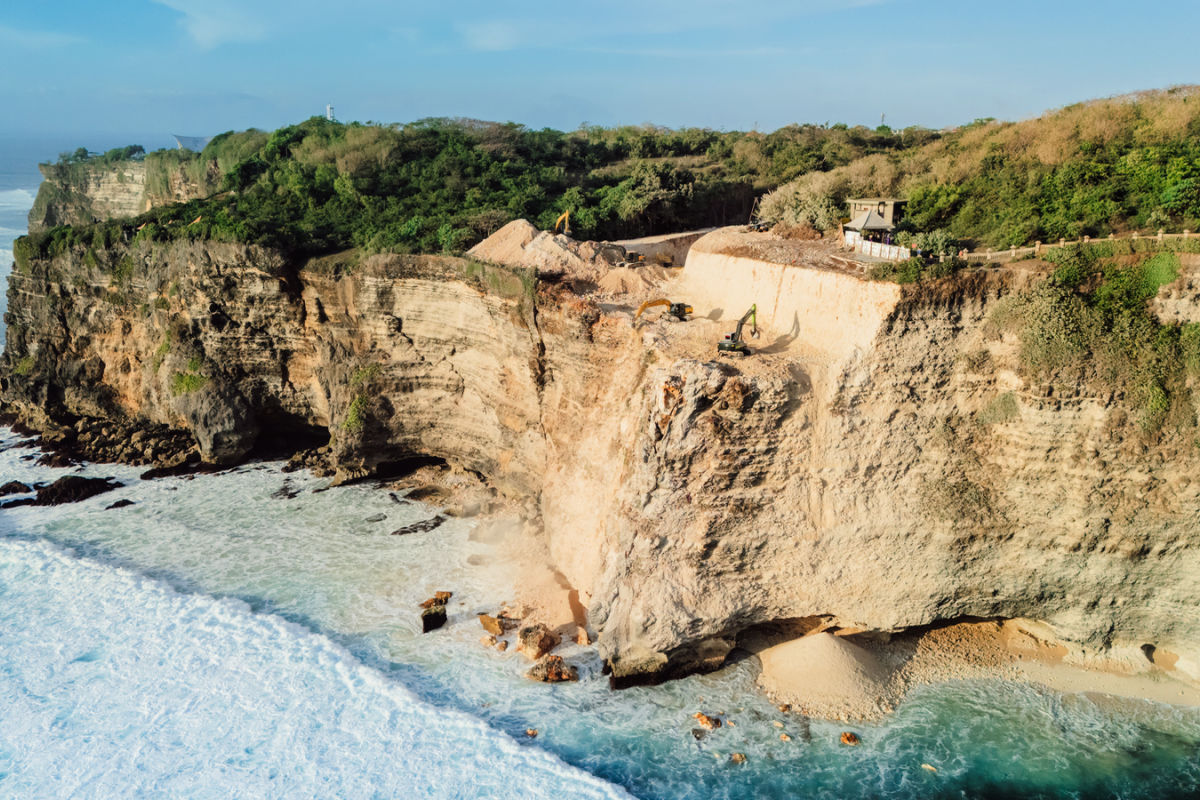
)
(826, 676)
(631, 280)
(507, 245)
(520, 244)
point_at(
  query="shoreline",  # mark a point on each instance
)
(862, 678)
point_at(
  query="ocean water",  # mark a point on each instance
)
(251, 634)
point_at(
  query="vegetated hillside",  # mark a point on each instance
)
(1091, 168)
(443, 185)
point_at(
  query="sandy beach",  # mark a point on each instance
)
(859, 677)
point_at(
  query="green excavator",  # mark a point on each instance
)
(733, 344)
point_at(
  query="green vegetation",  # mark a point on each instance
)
(189, 381)
(442, 185)
(915, 270)
(162, 351)
(1090, 320)
(356, 415)
(24, 366)
(363, 376)
(1088, 169)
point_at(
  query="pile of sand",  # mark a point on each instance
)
(520, 244)
(826, 676)
(632, 280)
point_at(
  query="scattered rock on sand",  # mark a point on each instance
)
(536, 640)
(552, 669)
(501, 645)
(581, 636)
(850, 738)
(491, 625)
(711, 723)
(487, 641)
(14, 487)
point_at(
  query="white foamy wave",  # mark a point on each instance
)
(17, 199)
(115, 685)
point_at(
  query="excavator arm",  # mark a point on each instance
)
(564, 220)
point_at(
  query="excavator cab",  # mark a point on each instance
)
(678, 310)
(733, 344)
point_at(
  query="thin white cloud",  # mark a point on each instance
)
(37, 40)
(494, 35)
(215, 22)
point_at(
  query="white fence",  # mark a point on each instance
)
(890, 252)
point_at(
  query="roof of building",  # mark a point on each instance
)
(876, 200)
(868, 221)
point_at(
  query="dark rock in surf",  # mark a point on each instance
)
(433, 618)
(420, 527)
(122, 503)
(14, 487)
(74, 488)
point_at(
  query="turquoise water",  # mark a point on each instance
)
(218, 640)
(218, 633)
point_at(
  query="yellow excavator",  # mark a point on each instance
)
(733, 344)
(563, 221)
(678, 310)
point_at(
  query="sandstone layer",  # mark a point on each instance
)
(854, 471)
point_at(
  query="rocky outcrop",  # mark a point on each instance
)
(86, 192)
(80, 194)
(879, 463)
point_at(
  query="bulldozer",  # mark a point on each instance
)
(678, 310)
(733, 344)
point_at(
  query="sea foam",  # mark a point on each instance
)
(116, 685)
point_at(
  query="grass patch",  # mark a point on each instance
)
(1003, 408)
(24, 366)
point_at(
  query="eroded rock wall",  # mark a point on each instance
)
(879, 462)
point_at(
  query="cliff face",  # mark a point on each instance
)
(83, 193)
(879, 462)
(80, 194)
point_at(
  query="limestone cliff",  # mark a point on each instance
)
(879, 462)
(87, 192)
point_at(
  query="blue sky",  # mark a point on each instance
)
(141, 67)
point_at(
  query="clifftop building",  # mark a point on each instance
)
(889, 209)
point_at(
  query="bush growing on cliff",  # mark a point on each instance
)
(1091, 317)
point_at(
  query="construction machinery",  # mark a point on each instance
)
(733, 344)
(678, 310)
(563, 221)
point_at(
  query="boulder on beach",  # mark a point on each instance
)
(536, 640)
(552, 669)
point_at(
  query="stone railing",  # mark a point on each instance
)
(1038, 248)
